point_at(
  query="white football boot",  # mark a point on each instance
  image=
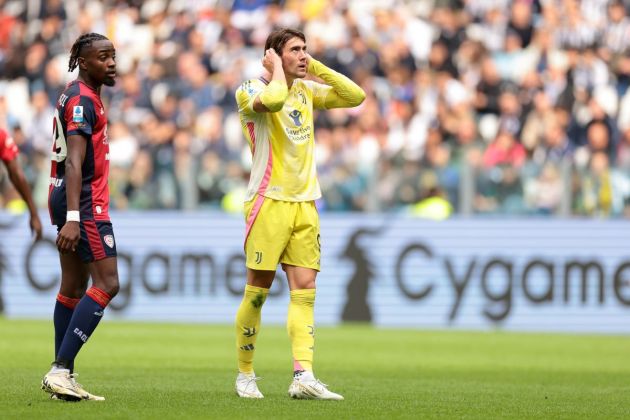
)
(84, 394)
(58, 381)
(306, 387)
(246, 385)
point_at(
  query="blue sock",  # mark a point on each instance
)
(64, 308)
(84, 321)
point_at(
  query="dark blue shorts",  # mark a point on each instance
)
(97, 241)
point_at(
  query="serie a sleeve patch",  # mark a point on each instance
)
(77, 114)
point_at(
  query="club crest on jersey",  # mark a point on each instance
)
(77, 114)
(109, 240)
(296, 116)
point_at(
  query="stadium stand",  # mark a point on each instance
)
(507, 107)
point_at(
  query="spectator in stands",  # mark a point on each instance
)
(440, 78)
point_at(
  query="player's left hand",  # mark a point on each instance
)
(36, 227)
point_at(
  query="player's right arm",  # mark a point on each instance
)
(80, 117)
(70, 233)
(273, 96)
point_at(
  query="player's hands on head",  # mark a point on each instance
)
(68, 237)
(271, 60)
(36, 227)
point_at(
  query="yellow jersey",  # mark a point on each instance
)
(282, 143)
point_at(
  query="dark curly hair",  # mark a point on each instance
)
(84, 40)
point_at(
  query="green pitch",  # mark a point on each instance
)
(159, 371)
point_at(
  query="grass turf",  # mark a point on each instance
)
(187, 371)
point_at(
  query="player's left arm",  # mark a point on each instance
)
(344, 93)
(16, 175)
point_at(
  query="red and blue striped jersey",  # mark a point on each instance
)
(8, 148)
(80, 111)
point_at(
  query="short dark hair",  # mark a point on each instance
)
(278, 38)
(84, 40)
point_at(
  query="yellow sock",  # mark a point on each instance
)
(301, 328)
(248, 325)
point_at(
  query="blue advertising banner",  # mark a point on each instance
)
(525, 274)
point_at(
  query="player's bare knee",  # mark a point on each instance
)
(78, 292)
(305, 284)
(260, 278)
(109, 284)
(113, 286)
(72, 291)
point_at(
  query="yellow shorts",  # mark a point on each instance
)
(281, 232)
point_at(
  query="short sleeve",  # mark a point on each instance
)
(8, 148)
(80, 116)
(246, 94)
(319, 92)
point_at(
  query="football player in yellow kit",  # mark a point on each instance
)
(282, 223)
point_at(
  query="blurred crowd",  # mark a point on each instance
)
(473, 106)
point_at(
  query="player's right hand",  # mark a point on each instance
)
(271, 60)
(68, 237)
(36, 227)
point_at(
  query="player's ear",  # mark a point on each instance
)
(82, 64)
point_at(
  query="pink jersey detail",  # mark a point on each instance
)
(250, 128)
(265, 181)
(252, 215)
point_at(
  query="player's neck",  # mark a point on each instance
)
(86, 80)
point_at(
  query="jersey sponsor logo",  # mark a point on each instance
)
(109, 240)
(77, 114)
(102, 111)
(298, 135)
(99, 210)
(296, 116)
(247, 347)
